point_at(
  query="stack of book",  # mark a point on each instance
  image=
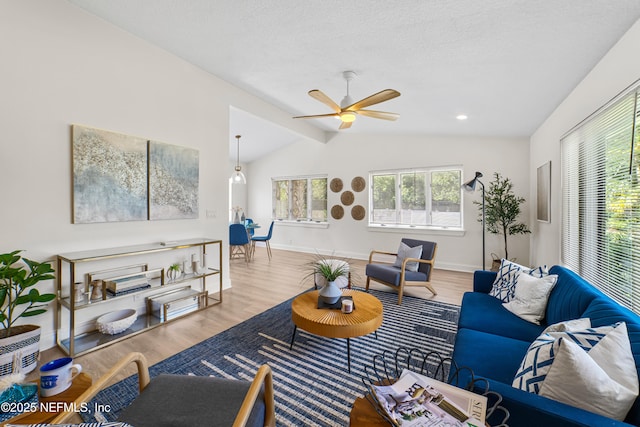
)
(418, 401)
(123, 285)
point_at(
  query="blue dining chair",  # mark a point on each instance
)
(264, 239)
(238, 241)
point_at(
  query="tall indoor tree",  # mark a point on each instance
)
(502, 208)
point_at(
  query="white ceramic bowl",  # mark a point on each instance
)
(116, 321)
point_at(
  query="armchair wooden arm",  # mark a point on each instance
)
(263, 376)
(96, 387)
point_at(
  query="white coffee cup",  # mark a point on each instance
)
(56, 376)
(347, 306)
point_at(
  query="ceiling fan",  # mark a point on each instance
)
(347, 110)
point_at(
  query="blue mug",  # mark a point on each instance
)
(56, 376)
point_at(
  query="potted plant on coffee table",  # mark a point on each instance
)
(20, 298)
(330, 269)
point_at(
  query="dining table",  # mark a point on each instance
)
(250, 228)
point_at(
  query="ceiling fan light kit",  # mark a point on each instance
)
(348, 110)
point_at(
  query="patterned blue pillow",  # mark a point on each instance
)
(504, 287)
(542, 352)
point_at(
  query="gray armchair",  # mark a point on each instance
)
(185, 400)
(399, 276)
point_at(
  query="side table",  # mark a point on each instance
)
(364, 415)
(79, 385)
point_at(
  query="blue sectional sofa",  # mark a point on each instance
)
(493, 342)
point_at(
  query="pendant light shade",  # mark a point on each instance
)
(238, 177)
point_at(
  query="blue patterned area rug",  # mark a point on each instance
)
(311, 382)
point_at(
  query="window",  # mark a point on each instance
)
(601, 199)
(300, 198)
(416, 197)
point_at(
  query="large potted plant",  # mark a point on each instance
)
(502, 208)
(20, 298)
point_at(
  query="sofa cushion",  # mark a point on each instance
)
(489, 355)
(193, 401)
(485, 313)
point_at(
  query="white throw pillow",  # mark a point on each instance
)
(529, 301)
(541, 353)
(404, 251)
(507, 278)
(595, 381)
(569, 325)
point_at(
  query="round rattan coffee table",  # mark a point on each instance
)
(332, 323)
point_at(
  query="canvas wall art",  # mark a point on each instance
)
(109, 176)
(173, 181)
(544, 193)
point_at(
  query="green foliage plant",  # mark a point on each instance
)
(18, 276)
(327, 267)
(502, 208)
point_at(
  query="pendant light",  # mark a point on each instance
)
(238, 177)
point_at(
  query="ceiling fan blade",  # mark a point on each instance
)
(378, 114)
(320, 96)
(383, 95)
(317, 116)
(345, 125)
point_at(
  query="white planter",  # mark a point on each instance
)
(23, 346)
(330, 293)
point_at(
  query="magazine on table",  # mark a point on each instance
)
(419, 401)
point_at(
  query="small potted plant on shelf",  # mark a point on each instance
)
(329, 269)
(174, 272)
(20, 298)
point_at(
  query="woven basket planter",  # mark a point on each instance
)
(22, 346)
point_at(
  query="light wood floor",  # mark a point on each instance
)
(256, 287)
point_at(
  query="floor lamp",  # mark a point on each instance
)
(471, 186)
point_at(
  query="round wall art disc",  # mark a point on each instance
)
(336, 185)
(358, 212)
(337, 212)
(358, 183)
(347, 198)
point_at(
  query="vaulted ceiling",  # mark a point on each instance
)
(506, 64)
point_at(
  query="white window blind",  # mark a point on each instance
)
(601, 200)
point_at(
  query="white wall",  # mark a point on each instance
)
(618, 69)
(349, 155)
(62, 66)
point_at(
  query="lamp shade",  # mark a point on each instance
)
(471, 184)
(238, 177)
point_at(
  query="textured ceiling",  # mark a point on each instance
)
(506, 64)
